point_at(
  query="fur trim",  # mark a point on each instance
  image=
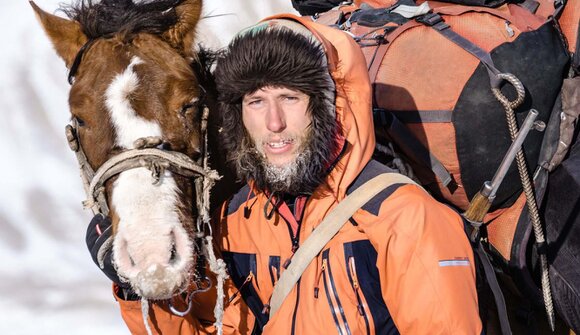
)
(274, 55)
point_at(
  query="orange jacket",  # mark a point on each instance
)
(402, 264)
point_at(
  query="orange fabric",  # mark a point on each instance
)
(200, 321)
(569, 22)
(161, 320)
(502, 229)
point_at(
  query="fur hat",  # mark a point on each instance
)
(277, 53)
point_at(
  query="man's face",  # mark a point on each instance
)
(276, 118)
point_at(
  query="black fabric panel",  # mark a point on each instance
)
(562, 219)
(368, 275)
(331, 290)
(311, 7)
(238, 199)
(376, 17)
(371, 170)
(539, 59)
(239, 266)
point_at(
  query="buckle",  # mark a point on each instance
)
(429, 19)
(558, 4)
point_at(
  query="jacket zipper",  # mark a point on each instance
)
(248, 279)
(332, 295)
(318, 276)
(356, 287)
(274, 267)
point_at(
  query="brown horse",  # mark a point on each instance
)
(137, 105)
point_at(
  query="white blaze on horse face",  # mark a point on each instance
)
(149, 225)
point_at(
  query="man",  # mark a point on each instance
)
(297, 126)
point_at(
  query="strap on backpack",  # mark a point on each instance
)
(411, 146)
(436, 22)
(491, 280)
(326, 230)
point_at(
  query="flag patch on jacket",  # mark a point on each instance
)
(454, 262)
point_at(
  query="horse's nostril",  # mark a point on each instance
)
(173, 257)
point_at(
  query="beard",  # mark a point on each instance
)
(286, 178)
(302, 175)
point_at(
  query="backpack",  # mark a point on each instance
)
(433, 106)
(432, 98)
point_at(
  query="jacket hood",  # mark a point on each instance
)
(347, 66)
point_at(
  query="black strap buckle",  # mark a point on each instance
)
(429, 19)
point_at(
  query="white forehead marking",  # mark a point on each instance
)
(128, 125)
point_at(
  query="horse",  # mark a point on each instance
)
(140, 102)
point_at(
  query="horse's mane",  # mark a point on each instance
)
(202, 67)
(103, 18)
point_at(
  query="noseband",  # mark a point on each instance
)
(144, 155)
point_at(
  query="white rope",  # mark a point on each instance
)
(217, 266)
(145, 313)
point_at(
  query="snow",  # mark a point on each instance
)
(48, 282)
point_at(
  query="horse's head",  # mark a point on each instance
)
(131, 79)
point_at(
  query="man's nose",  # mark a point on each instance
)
(275, 119)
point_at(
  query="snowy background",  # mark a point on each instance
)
(48, 282)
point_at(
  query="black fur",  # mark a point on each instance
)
(102, 19)
(277, 58)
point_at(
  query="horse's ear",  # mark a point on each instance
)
(182, 34)
(66, 35)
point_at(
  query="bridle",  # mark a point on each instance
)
(146, 154)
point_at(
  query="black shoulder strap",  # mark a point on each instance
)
(491, 279)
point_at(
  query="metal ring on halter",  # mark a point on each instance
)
(518, 86)
(189, 300)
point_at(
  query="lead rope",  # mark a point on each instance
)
(509, 107)
(145, 313)
(216, 265)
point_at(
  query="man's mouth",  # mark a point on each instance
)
(279, 144)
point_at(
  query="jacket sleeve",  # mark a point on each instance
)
(426, 265)
(237, 318)
(160, 320)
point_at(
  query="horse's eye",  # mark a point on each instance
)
(79, 121)
(187, 109)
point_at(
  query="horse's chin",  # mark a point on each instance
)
(159, 282)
